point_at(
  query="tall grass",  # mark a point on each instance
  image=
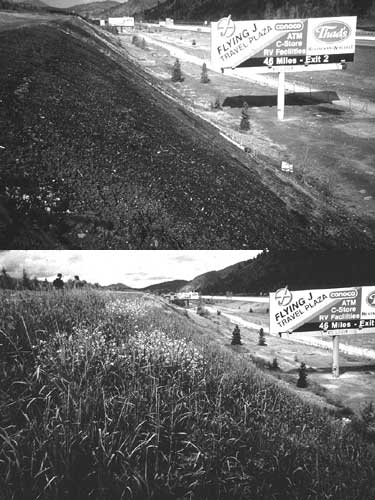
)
(111, 396)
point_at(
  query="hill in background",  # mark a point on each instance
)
(111, 8)
(166, 287)
(275, 269)
(299, 270)
(94, 9)
(213, 10)
(132, 7)
(23, 5)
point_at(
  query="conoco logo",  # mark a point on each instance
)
(297, 26)
(343, 294)
(332, 31)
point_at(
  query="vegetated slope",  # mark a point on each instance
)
(122, 398)
(94, 9)
(299, 270)
(93, 156)
(25, 3)
(132, 7)
(117, 287)
(166, 287)
(258, 9)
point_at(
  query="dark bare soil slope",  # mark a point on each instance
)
(93, 156)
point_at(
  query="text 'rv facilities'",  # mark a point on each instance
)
(332, 311)
(288, 44)
(283, 45)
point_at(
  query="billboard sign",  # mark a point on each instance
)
(282, 43)
(330, 311)
(187, 295)
(121, 21)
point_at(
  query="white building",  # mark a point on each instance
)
(121, 22)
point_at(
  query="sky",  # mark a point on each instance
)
(138, 268)
(70, 3)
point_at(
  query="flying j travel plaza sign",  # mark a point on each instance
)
(329, 311)
(282, 43)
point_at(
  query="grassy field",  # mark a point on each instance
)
(111, 396)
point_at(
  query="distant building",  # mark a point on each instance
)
(187, 295)
(122, 24)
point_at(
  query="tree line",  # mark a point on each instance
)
(26, 282)
(212, 10)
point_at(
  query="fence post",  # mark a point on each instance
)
(335, 356)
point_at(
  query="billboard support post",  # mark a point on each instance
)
(335, 356)
(281, 96)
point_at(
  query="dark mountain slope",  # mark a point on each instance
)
(94, 9)
(165, 287)
(299, 270)
(258, 9)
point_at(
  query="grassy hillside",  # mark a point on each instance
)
(94, 156)
(299, 270)
(256, 9)
(166, 287)
(105, 397)
(110, 8)
(94, 9)
(132, 7)
(25, 5)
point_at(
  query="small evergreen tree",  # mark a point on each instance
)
(274, 365)
(204, 75)
(176, 72)
(261, 339)
(26, 282)
(216, 104)
(5, 280)
(302, 372)
(245, 122)
(236, 336)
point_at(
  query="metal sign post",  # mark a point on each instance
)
(335, 356)
(281, 96)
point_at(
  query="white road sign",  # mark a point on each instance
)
(334, 311)
(282, 43)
